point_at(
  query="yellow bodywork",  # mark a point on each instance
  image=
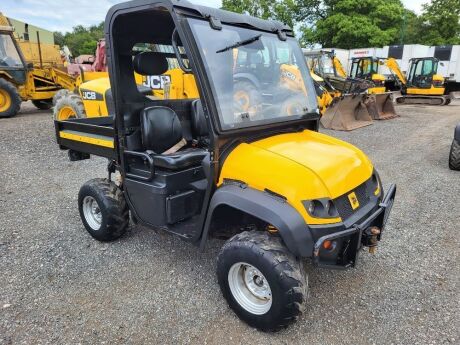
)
(94, 140)
(432, 91)
(379, 80)
(339, 67)
(174, 84)
(326, 98)
(299, 166)
(93, 97)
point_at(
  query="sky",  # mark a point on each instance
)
(62, 15)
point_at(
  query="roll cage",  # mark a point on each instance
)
(167, 23)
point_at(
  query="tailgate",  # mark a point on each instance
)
(94, 136)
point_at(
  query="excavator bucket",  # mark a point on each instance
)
(346, 114)
(380, 106)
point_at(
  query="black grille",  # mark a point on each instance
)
(363, 193)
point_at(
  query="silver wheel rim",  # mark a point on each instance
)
(250, 288)
(92, 213)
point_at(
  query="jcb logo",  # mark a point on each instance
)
(156, 82)
(354, 202)
(91, 95)
(289, 75)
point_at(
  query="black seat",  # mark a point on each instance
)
(161, 129)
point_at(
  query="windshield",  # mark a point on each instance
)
(9, 56)
(257, 78)
(327, 65)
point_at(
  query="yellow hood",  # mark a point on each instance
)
(339, 165)
(299, 166)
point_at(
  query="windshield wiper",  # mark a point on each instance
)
(239, 44)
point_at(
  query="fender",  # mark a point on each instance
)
(271, 209)
(249, 77)
(457, 133)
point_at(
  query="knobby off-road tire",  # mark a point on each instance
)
(44, 104)
(103, 209)
(454, 156)
(69, 107)
(58, 95)
(10, 101)
(257, 259)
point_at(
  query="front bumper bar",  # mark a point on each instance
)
(353, 235)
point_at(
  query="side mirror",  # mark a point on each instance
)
(30, 65)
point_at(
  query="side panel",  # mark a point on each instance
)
(273, 210)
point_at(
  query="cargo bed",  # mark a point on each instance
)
(90, 136)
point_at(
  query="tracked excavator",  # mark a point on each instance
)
(422, 84)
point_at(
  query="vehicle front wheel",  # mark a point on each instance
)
(69, 107)
(103, 209)
(261, 280)
(10, 101)
(454, 156)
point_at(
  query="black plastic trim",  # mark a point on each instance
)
(273, 210)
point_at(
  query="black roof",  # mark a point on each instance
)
(186, 7)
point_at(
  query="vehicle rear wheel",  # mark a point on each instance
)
(261, 280)
(103, 209)
(294, 105)
(10, 101)
(44, 104)
(58, 95)
(69, 107)
(246, 98)
(454, 156)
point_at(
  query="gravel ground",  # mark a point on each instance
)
(59, 286)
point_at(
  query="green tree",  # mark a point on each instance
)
(82, 40)
(350, 23)
(281, 10)
(440, 22)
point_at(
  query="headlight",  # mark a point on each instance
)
(321, 208)
(377, 183)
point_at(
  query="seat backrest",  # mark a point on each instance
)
(198, 119)
(150, 63)
(160, 128)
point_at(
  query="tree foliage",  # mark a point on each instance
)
(440, 22)
(82, 40)
(359, 23)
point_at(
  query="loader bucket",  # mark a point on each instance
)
(380, 106)
(346, 114)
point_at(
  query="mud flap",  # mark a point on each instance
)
(346, 114)
(380, 106)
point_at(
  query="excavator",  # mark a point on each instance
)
(421, 85)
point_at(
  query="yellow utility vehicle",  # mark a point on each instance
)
(28, 71)
(264, 178)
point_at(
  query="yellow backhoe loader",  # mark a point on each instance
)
(380, 102)
(28, 71)
(343, 104)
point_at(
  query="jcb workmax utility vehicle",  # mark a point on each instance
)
(282, 193)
